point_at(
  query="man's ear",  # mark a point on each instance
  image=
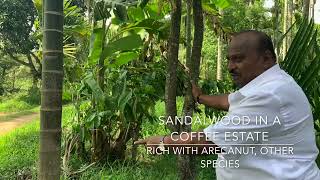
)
(268, 55)
(268, 59)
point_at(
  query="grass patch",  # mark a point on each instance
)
(14, 105)
(20, 101)
(156, 167)
(19, 151)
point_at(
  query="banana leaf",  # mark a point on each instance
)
(302, 62)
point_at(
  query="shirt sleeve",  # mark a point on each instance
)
(246, 122)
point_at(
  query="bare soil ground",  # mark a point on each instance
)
(7, 126)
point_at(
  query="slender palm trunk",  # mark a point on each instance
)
(219, 55)
(276, 27)
(51, 93)
(285, 28)
(306, 4)
(171, 77)
(186, 164)
(289, 22)
(311, 8)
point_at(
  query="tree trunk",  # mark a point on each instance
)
(3, 73)
(89, 11)
(219, 56)
(285, 28)
(135, 136)
(2, 80)
(311, 8)
(276, 28)
(306, 4)
(188, 32)
(289, 22)
(171, 68)
(186, 164)
(13, 79)
(198, 38)
(219, 59)
(51, 94)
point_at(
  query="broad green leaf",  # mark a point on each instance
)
(94, 87)
(100, 11)
(120, 12)
(135, 13)
(125, 100)
(302, 62)
(123, 44)
(143, 3)
(221, 3)
(296, 68)
(151, 25)
(95, 46)
(210, 8)
(152, 10)
(91, 117)
(124, 58)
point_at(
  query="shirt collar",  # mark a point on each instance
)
(262, 78)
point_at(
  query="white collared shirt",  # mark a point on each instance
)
(275, 96)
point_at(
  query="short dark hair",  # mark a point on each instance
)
(265, 42)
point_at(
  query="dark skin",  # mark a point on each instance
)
(245, 62)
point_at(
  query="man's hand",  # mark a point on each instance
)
(196, 91)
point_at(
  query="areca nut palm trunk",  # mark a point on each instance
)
(51, 91)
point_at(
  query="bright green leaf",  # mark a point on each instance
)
(124, 58)
(221, 3)
(210, 8)
(95, 88)
(135, 13)
(95, 46)
(123, 44)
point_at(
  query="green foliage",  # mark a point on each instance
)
(302, 62)
(126, 43)
(239, 16)
(152, 168)
(127, 99)
(221, 3)
(22, 101)
(14, 105)
(16, 22)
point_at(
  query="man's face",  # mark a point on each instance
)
(244, 61)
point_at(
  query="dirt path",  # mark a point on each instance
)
(4, 114)
(7, 126)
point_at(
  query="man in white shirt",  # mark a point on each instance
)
(268, 130)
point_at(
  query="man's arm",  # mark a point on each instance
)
(216, 101)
